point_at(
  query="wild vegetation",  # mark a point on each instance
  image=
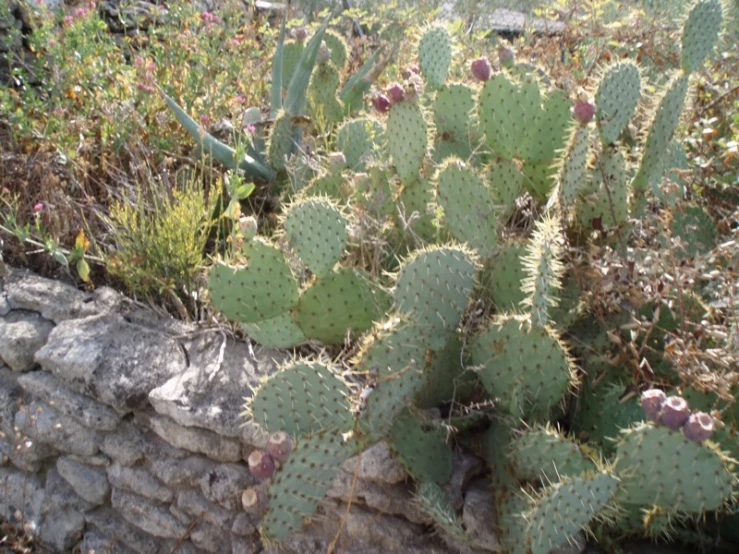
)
(526, 249)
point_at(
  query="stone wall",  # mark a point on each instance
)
(120, 432)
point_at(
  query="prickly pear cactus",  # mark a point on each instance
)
(542, 453)
(276, 332)
(421, 448)
(301, 483)
(662, 467)
(302, 398)
(407, 139)
(435, 56)
(317, 231)
(469, 211)
(566, 507)
(700, 33)
(264, 289)
(618, 94)
(434, 287)
(357, 139)
(435, 502)
(525, 366)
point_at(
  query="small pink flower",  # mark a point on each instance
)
(52, 42)
(204, 119)
(144, 87)
(251, 129)
(240, 99)
(38, 207)
(235, 42)
(68, 20)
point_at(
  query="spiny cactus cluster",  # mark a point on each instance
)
(440, 167)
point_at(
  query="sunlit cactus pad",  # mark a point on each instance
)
(421, 447)
(301, 483)
(302, 397)
(264, 289)
(544, 454)
(662, 467)
(317, 231)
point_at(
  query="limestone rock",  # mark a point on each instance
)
(95, 542)
(225, 483)
(63, 521)
(187, 472)
(56, 429)
(210, 538)
(148, 516)
(111, 360)
(119, 531)
(377, 464)
(23, 497)
(87, 411)
(243, 525)
(54, 300)
(22, 333)
(126, 446)
(210, 392)
(91, 483)
(200, 441)
(196, 506)
(139, 481)
(480, 518)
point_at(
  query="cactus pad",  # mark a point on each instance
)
(550, 130)
(299, 485)
(340, 305)
(435, 56)
(506, 182)
(573, 172)
(322, 93)
(618, 94)
(452, 112)
(290, 55)
(503, 114)
(661, 129)
(527, 367)
(265, 288)
(302, 397)
(415, 198)
(276, 332)
(700, 33)
(434, 502)
(317, 231)
(544, 454)
(662, 467)
(434, 287)
(281, 141)
(599, 202)
(504, 275)
(512, 522)
(567, 507)
(338, 48)
(469, 211)
(421, 446)
(407, 139)
(695, 228)
(356, 138)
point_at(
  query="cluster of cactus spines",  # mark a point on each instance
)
(435, 56)
(544, 454)
(469, 209)
(544, 270)
(435, 503)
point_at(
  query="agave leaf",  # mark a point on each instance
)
(276, 92)
(356, 83)
(221, 152)
(295, 98)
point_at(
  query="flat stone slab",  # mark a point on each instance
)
(90, 483)
(109, 359)
(210, 393)
(84, 409)
(501, 20)
(22, 333)
(55, 429)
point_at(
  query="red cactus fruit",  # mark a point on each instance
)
(261, 464)
(381, 102)
(395, 93)
(279, 446)
(583, 112)
(481, 69)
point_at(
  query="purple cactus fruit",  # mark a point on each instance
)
(583, 112)
(261, 464)
(395, 93)
(279, 446)
(675, 412)
(381, 102)
(699, 427)
(506, 57)
(324, 54)
(481, 69)
(651, 403)
(299, 33)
